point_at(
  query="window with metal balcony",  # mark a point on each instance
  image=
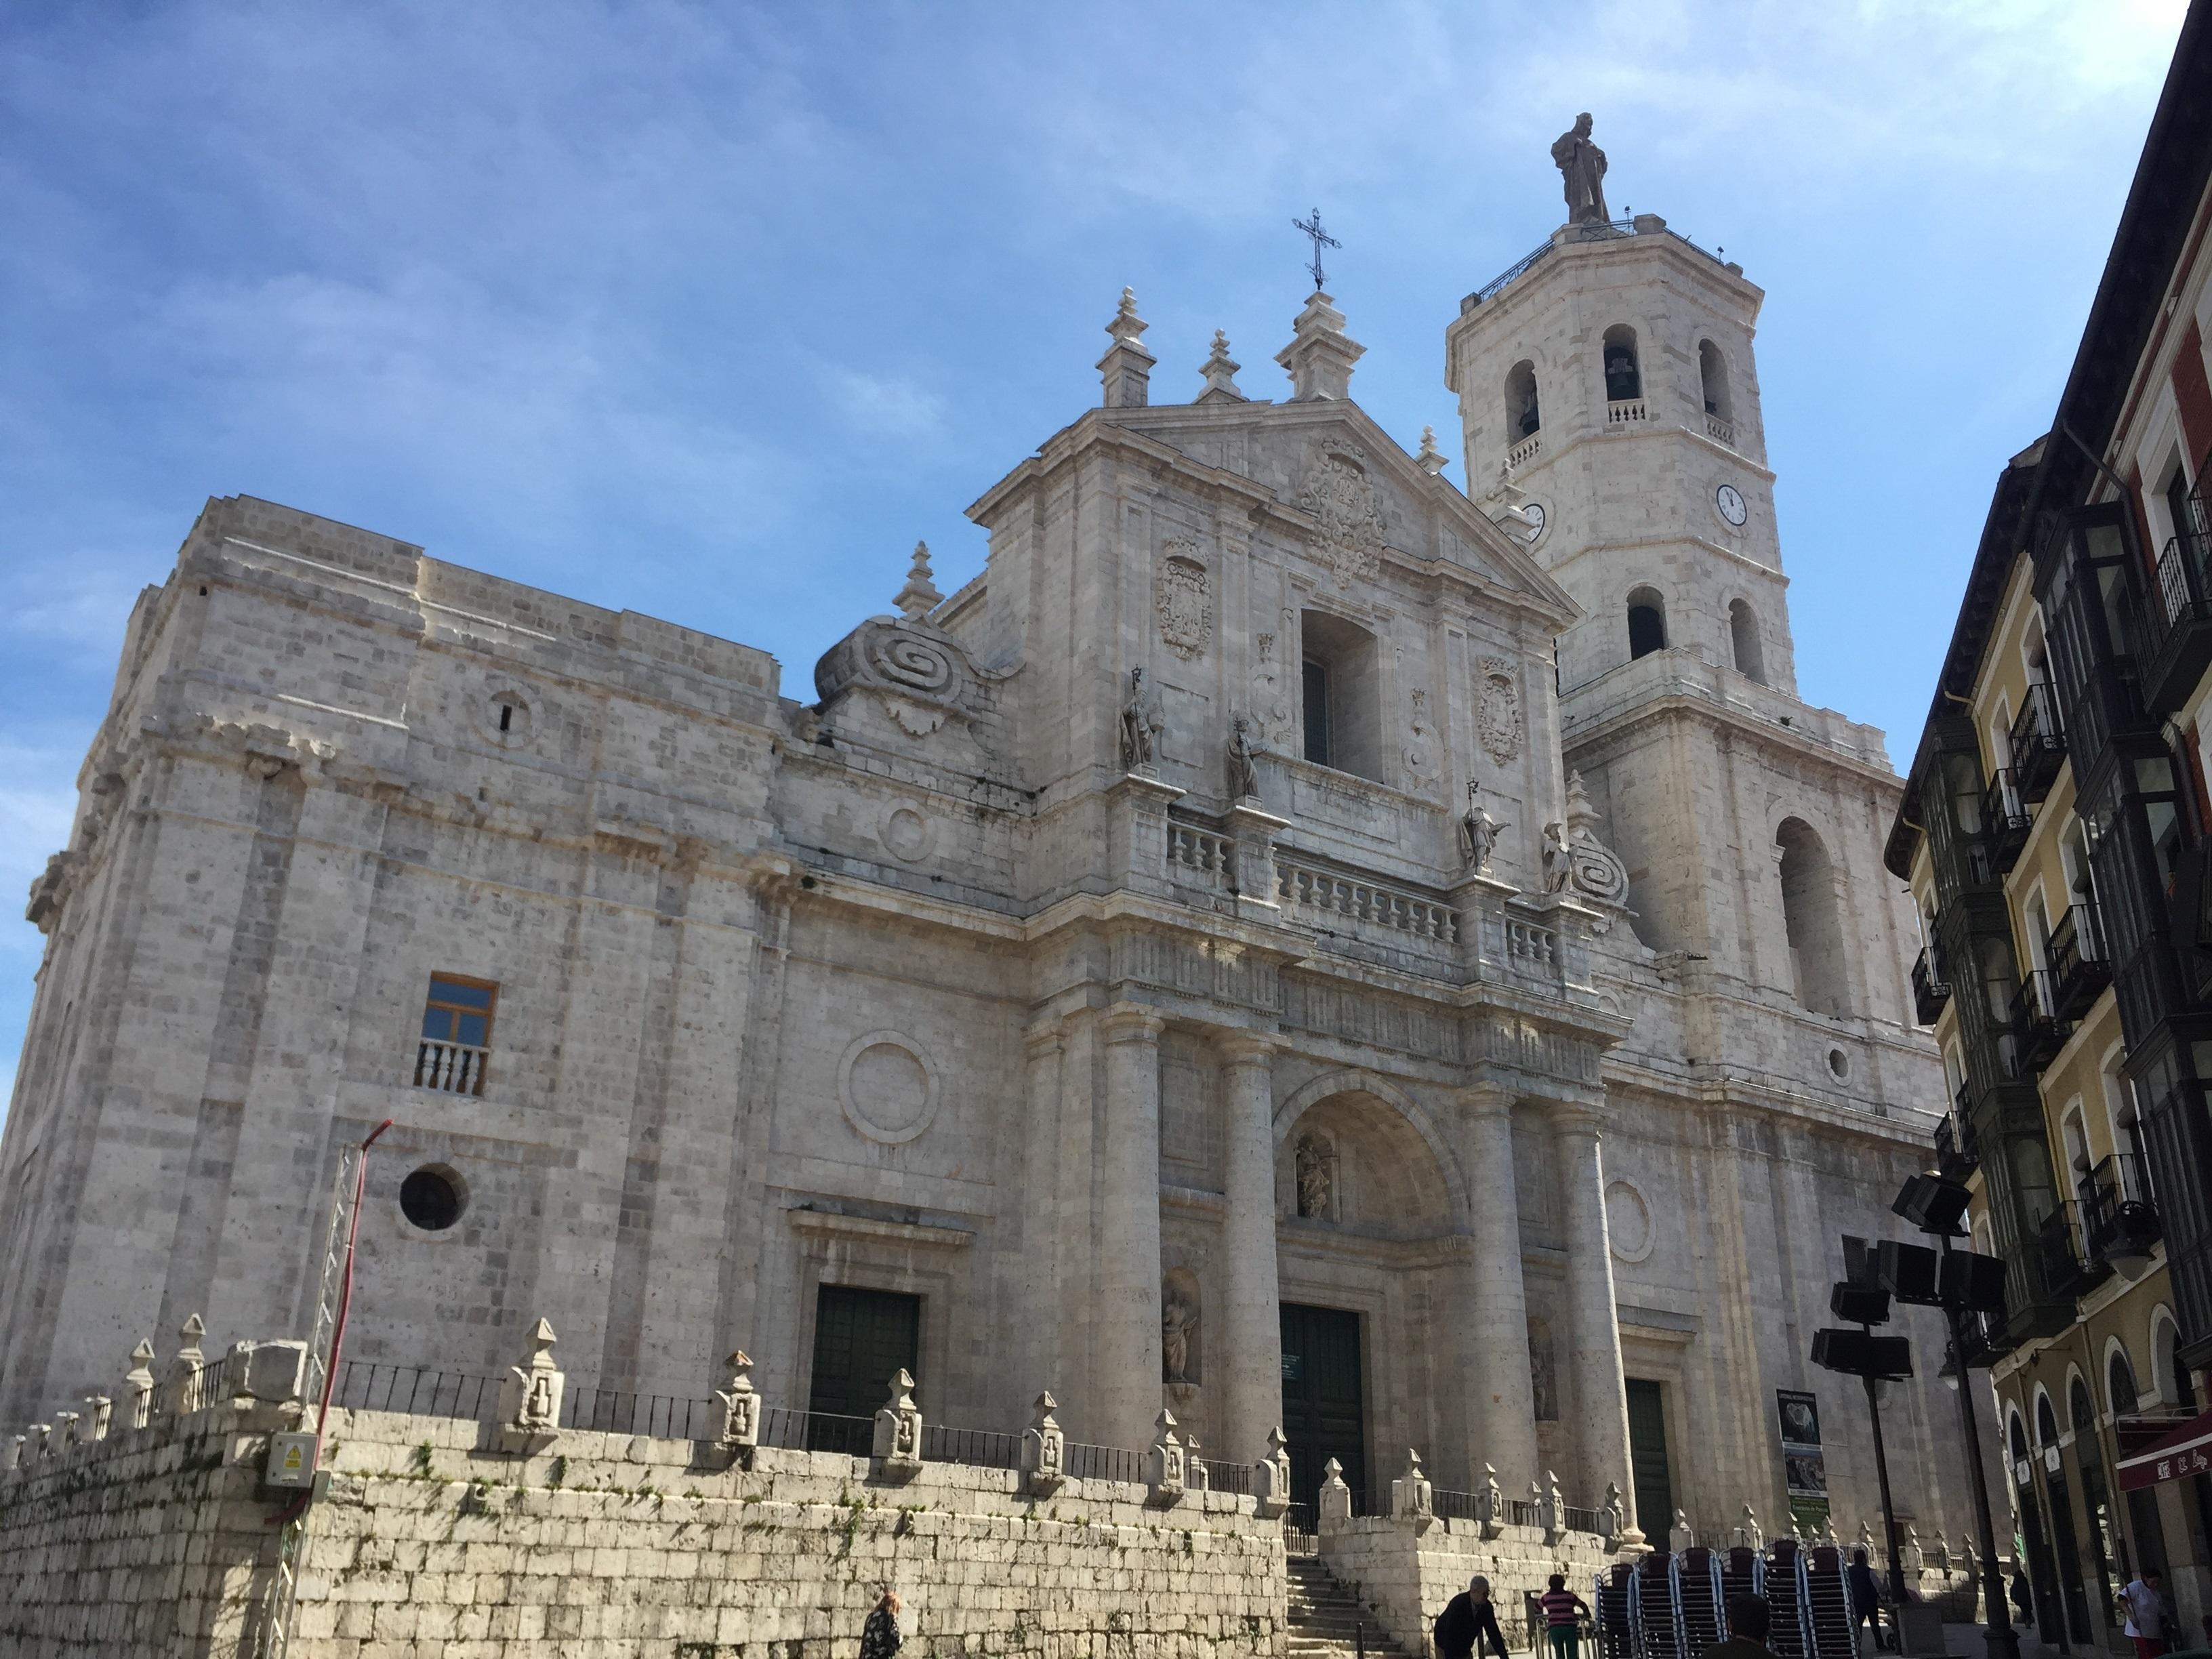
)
(2178, 622)
(1931, 990)
(1956, 1157)
(2038, 1032)
(2037, 743)
(2061, 1269)
(2119, 1218)
(2079, 968)
(2005, 817)
(2088, 579)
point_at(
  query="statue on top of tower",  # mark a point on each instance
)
(1581, 164)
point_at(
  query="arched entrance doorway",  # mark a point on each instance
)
(1367, 1205)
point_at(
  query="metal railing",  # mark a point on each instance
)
(2080, 967)
(2005, 817)
(367, 1385)
(2119, 1219)
(657, 1416)
(984, 1448)
(2039, 741)
(788, 1429)
(451, 1069)
(2038, 1031)
(1085, 1463)
(1931, 990)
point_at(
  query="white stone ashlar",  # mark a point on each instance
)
(1164, 1463)
(741, 1406)
(1270, 1475)
(1044, 1450)
(897, 1447)
(530, 1396)
(1412, 1499)
(138, 1387)
(1679, 1537)
(1332, 1505)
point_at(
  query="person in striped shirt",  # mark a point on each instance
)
(1563, 1611)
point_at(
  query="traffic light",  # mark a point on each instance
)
(1972, 1282)
(1859, 1304)
(1860, 1353)
(1931, 1204)
(1908, 1272)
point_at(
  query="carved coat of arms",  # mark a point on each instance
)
(1183, 597)
(1339, 493)
(1497, 716)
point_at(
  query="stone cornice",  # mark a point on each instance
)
(1683, 704)
(831, 1224)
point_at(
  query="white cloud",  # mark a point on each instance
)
(887, 405)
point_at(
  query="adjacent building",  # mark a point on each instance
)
(2056, 830)
(1292, 942)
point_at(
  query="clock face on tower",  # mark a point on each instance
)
(1533, 516)
(1728, 499)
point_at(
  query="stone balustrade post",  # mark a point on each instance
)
(1489, 1504)
(1333, 1510)
(183, 1389)
(138, 1387)
(1501, 1406)
(1599, 1385)
(1128, 1312)
(1612, 1515)
(897, 1447)
(1253, 831)
(1165, 1470)
(1044, 1450)
(1748, 1534)
(1249, 1358)
(66, 1423)
(1412, 1497)
(741, 1406)
(530, 1395)
(1552, 1506)
(1679, 1535)
(1271, 1476)
(1194, 1477)
(42, 1445)
(99, 1414)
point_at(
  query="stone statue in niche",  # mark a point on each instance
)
(1141, 725)
(1478, 831)
(1575, 859)
(1317, 1178)
(1244, 768)
(1559, 859)
(1178, 1325)
(1543, 1383)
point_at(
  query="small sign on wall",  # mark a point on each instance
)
(291, 1460)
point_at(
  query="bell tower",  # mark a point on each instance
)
(1609, 394)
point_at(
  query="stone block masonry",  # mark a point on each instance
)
(429, 1541)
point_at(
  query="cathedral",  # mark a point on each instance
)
(1294, 942)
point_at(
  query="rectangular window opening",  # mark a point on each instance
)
(452, 1055)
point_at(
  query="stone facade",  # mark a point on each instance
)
(995, 977)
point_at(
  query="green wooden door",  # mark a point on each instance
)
(1647, 1457)
(1324, 1413)
(861, 1339)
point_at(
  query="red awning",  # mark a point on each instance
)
(2185, 1451)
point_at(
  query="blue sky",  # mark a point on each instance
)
(710, 311)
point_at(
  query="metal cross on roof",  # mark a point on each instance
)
(1320, 240)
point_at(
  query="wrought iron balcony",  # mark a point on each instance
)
(2080, 968)
(2037, 1031)
(1956, 1153)
(2005, 818)
(2038, 744)
(2178, 622)
(1931, 990)
(2119, 1222)
(2059, 1268)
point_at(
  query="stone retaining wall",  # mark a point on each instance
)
(1405, 1577)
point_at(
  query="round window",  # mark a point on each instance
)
(431, 1198)
(1839, 1064)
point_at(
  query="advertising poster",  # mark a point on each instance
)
(1804, 1464)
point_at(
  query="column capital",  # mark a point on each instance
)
(1131, 1021)
(1044, 1038)
(1238, 1047)
(1574, 1117)
(1485, 1099)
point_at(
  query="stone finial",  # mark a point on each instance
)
(1966, 1549)
(65, 1429)
(100, 1416)
(1044, 1449)
(898, 1448)
(1613, 1514)
(1828, 1529)
(138, 1387)
(1552, 1508)
(181, 1390)
(1271, 1476)
(1194, 1477)
(920, 596)
(42, 1443)
(1939, 1553)
(1908, 1548)
(1679, 1535)
(1127, 367)
(1164, 1471)
(1333, 1509)
(1320, 355)
(1220, 372)
(1431, 460)
(1866, 1538)
(530, 1397)
(1489, 1503)
(740, 1404)
(1412, 1499)
(1747, 1533)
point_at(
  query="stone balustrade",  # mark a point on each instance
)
(1201, 857)
(1526, 451)
(1310, 894)
(1626, 412)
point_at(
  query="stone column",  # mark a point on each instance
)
(1042, 1298)
(1593, 1367)
(1501, 1413)
(1249, 1357)
(1128, 1318)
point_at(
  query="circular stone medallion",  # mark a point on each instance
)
(1628, 1219)
(906, 833)
(887, 1087)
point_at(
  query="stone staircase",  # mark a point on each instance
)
(1325, 1617)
